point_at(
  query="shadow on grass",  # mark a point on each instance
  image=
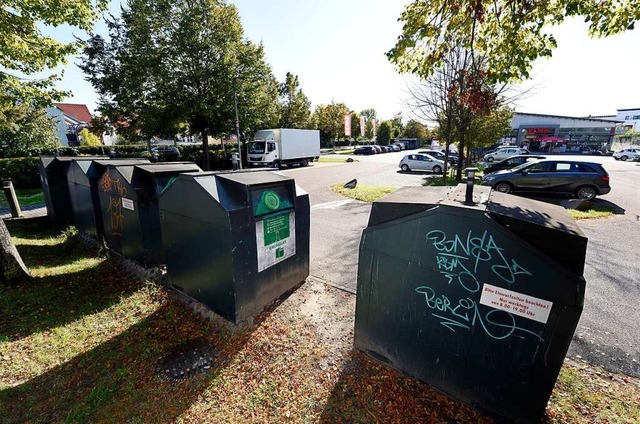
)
(48, 302)
(597, 204)
(118, 382)
(33, 228)
(369, 391)
(114, 382)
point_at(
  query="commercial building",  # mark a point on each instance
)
(554, 133)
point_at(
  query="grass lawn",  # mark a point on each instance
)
(26, 197)
(81, 342)
(331, 159)
(594, 211)
(363, 192)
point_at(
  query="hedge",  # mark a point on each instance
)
(24, 172)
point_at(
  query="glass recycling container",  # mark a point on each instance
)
(479, 300)
(235, 241)
(128, 196)
(82, 179)
(53, 175)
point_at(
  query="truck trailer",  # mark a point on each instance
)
(279, 147)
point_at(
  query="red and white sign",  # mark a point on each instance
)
(362, 124)
(347, 124)
(516, 303)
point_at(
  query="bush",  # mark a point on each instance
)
(24, 172)
(88, 139)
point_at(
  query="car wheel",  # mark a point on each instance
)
(405, 167)
(436, 169)
(586, 193)
(304, 162)
(503, 187)
(624, 157)
(490, 159)
(277, 164)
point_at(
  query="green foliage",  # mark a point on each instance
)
(383, 137)
(484, 130)
(355, 125)
(397, 128)
(511, 34)
(23, 127)
(295, 107)
(23, 172)
(415, 129)
(330, 120)
(25, 52)
(170, 62)
(369, 116)
(89, 139)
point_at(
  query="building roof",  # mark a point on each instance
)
(633, 108)
(77, 111)
(568, 117)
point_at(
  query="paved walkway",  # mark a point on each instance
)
(27, 212)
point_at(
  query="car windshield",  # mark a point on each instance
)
(256, 147)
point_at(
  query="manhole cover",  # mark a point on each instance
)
(186, 360)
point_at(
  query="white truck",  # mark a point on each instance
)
(283, 146)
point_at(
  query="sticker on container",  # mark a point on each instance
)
(127, 203)
(516, 303)
(276, 239)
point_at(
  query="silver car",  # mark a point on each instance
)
(421, 163)
(504, 152)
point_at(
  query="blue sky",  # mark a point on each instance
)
(337, 48)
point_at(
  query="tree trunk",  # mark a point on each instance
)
(205, 145)
(12, 269)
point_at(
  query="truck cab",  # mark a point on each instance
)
(262, 152)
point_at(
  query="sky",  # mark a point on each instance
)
(337, 49)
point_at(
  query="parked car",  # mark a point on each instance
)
(584, 180)
(164, 153)
(453, 158)
(628, 153)
(399, 146)
(504, 152)
(511, 162)
(421, 163)
(378, 148)
(395, 147)
(365, 150)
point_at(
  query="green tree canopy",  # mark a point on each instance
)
(487, 129)
(415, 129)
(89, 139)
(510, 34)
(295, 107)
(23, 127)
(383, 136)
(25, 52)
(369, 116)
(168, 62)
(330, 120)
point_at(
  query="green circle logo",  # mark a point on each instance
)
(271, 200)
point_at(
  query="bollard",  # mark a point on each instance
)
(12, 200)
(471, 175)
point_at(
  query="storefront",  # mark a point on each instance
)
(552, 133)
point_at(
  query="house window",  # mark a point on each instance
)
(626, 118)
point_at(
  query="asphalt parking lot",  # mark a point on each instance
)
(608, 331)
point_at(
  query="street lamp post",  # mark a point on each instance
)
(235, 98)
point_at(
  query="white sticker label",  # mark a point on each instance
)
(275, 239)
(127, 203)
(516, 303)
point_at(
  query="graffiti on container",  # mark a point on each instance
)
(465, 314)
(459, 258)
(113, 187)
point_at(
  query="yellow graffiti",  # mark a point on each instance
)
(113, 187)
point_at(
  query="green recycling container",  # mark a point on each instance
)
(53, 175)
(128, 196)
(235, 241)
(479, 300)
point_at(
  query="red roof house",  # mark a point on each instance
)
(79, 112)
